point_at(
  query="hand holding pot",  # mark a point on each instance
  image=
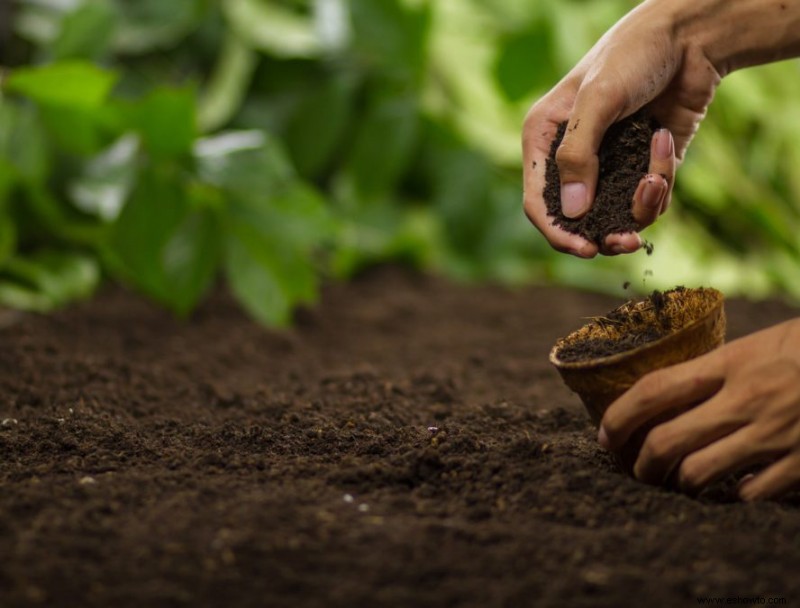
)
(736, 406)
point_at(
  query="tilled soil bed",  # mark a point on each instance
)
(407, 444)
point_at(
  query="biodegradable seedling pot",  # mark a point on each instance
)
(690, 323)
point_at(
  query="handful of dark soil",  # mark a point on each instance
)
(624, 159)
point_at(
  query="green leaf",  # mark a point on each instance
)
(148, 25)
(384, 233)
(156, 209)
(58, 276)
(266, 277)
(249, 269)
(383, 147)
(460, 181)
(273, 224)
(318, 124)
(7, 180)
(59, 221)
(166, 120)
(107, 180)
(462, 196)
(191, 258)
(391, 34)
(74, 84)
(297, 217)
(75, 130)
(8, 238)
(250, 163)
(332, 21)
(166, 242)
(269, 251)
(527, 62)
(228, 84)
(23, 147)
(20, 297)
(272, 28)
(86, 32)
(36, 23)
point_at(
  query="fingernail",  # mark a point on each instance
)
(745, 480)
(651, 195)
(744, 494)
(619, 249)
(573, 199)
(664, 148)
(602, 438)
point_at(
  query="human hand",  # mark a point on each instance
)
(735, 406)
(640, 61)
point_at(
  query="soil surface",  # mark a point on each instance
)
(624, 158)
(407, 444)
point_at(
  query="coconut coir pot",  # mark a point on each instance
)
(638, 337)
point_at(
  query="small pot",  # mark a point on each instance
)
(696, 319)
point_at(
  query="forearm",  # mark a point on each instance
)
(734, 34)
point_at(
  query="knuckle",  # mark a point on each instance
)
(648, 389)
(787, 370)
(764, 384)
(658, 446)
(570, 156)
(606, 86)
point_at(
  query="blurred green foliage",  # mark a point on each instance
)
(274, 143)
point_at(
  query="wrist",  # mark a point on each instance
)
(734, 34)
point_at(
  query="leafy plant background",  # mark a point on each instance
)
(276, 143)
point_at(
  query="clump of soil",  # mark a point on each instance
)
(642, 321)
(624, 159)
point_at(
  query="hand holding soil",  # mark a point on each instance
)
(667, 55)
(623, 160)
(736, 406)
(638, 62)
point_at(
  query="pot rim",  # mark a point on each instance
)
(621, 356)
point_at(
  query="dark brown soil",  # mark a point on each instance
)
(595, 348)
(408, 444)
(624, 159)
(643, 333)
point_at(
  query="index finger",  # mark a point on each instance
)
(538, 135)
(671, 388)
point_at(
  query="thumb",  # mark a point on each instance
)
(596, 108)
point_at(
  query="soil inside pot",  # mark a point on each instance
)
(624, 160)
(635, 323)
